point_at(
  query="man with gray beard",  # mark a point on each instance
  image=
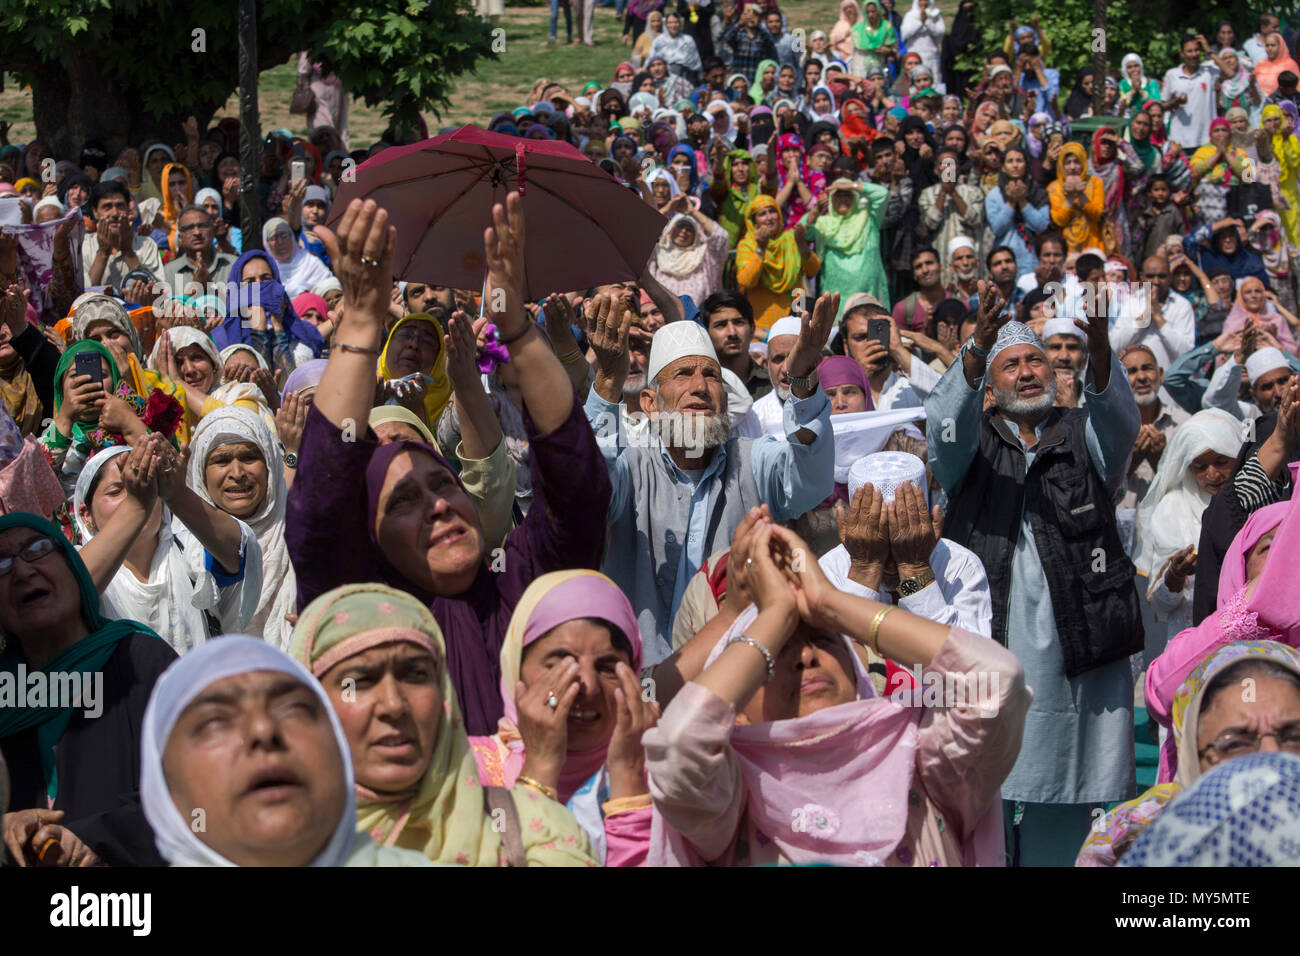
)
(1159, 419)
(681, 490)
(1029, 489)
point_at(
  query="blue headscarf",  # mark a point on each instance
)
(270, 296)
(87, 657)
(681, 149)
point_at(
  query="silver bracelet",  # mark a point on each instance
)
(767, 655)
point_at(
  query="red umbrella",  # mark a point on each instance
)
(584, 228)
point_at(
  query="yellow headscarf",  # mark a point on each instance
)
(1077, 230)
(443, 817)
(439, 390)
(782, 263)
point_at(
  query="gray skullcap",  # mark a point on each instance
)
(1014, 333)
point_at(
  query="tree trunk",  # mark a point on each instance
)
(78, 104)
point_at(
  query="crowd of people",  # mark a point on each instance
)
(950, 426)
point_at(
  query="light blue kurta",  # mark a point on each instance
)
(1078, 743)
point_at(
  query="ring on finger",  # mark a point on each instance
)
(551, 700)
(372, 263)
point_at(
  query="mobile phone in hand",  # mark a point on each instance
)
(297, 170)
(89, 363)
(878, 329)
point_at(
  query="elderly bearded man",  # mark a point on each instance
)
(680, 494)
(1029, 488)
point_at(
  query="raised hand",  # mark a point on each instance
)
(814, 331)
(290, 421)
(990, 317)
(911, 530)
(738, 596)
(362, 254)
(609, 328)
(462, 353)
(864, 532)
(503, 244)
(633, 716)
(544, 728)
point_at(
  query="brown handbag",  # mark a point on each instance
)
(304, 100)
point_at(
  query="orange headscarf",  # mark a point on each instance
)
(170, 211)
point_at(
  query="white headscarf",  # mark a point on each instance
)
(302, 271)
(179, 685)
(182, 337)
(671, 258)
(174, 598)
(231, 392)
(1142, 75)
(722, 106)
(279, 595)
(830, 116)
(1169, 516)
(658, 173)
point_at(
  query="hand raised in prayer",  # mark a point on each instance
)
(633, 716)
(13, 308)
(609, 322)
(462, 353)
(172, 467)
(263, 379)
(772, 589)
(813, 591)
(990, 317)
(503, 246)
(814, 332)
(911, 530)
(1067, 392)
(140, 469)
(362, 254)
(738, 596)
(864, 532)
(35, 838)
(1097, 330)
(545, 729)
(290, 421)
(1288, 414)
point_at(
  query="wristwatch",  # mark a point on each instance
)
(291, 461)
(807, 382)
(909, 586)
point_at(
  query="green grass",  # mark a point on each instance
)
(502, 84)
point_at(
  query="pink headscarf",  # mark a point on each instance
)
(551, 600)
(1269, 317)
(861, 754)
(1232, 576)
(842, 370)
(310, 300)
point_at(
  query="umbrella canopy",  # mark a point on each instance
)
(584, 228)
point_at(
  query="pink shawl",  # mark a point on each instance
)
(1270, 317)
(1271, 612)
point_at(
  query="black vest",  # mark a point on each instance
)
(1089, 576)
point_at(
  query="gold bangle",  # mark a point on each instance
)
(875, 626)
(537, 785)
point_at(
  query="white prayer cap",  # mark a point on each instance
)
(1262, 361)
(957, 242)
(886, 471)
(678, 340)
(787, 325)
(757, 348)
(1062, 326)
(1014, 333)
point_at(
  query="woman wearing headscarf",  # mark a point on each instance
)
(1017, 209)
(922, 33)
(191, 762)
(1221, 245)
(1196, 463)
(1253, 304)
(688, 258)
(299, 269)
(764, 82)
(818, 742)
(380, 656)
(845, 224)
(335, 542)
(1217, 167)
(1136, 87)
(1286, 149)
(178, 195)
(79, 762)
(1236, 86)
(158, 553)
(1258, 599)
(841, 38)
(771, 262)
(1277, 61)
(260, 314)
(18, 387)
(574, 639)
(1079, 102)
(1077, 200)
(1114, 162)
(800, 184)
(1196, 733)
(237, 467)
(414, 352)
(875, 41)
(154, 160)
(734, 185)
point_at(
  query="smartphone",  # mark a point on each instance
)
(878, 329)
(89, 363)
(297, 170)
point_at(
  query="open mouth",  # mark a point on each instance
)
(1032, 389)
(395, 745)
(583, 715)
(274, 783)
(238, 492)
(447, 536)
(34, 596)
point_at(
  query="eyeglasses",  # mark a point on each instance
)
(31, 552)
(410, 335)
(1238, 744)
(195, 227)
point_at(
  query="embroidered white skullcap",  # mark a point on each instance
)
(1060, 326)
(786, 325)
(886, 471)
(757, 348)
(1262, 361)
(678, 340)
(1014, 333)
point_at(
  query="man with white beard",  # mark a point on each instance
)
(1029, 490)
(680, 495)
(963, 268)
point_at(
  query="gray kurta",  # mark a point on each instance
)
(1078, 742)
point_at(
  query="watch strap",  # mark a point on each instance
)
(910, 586)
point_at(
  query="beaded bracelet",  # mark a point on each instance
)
(767, 655)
